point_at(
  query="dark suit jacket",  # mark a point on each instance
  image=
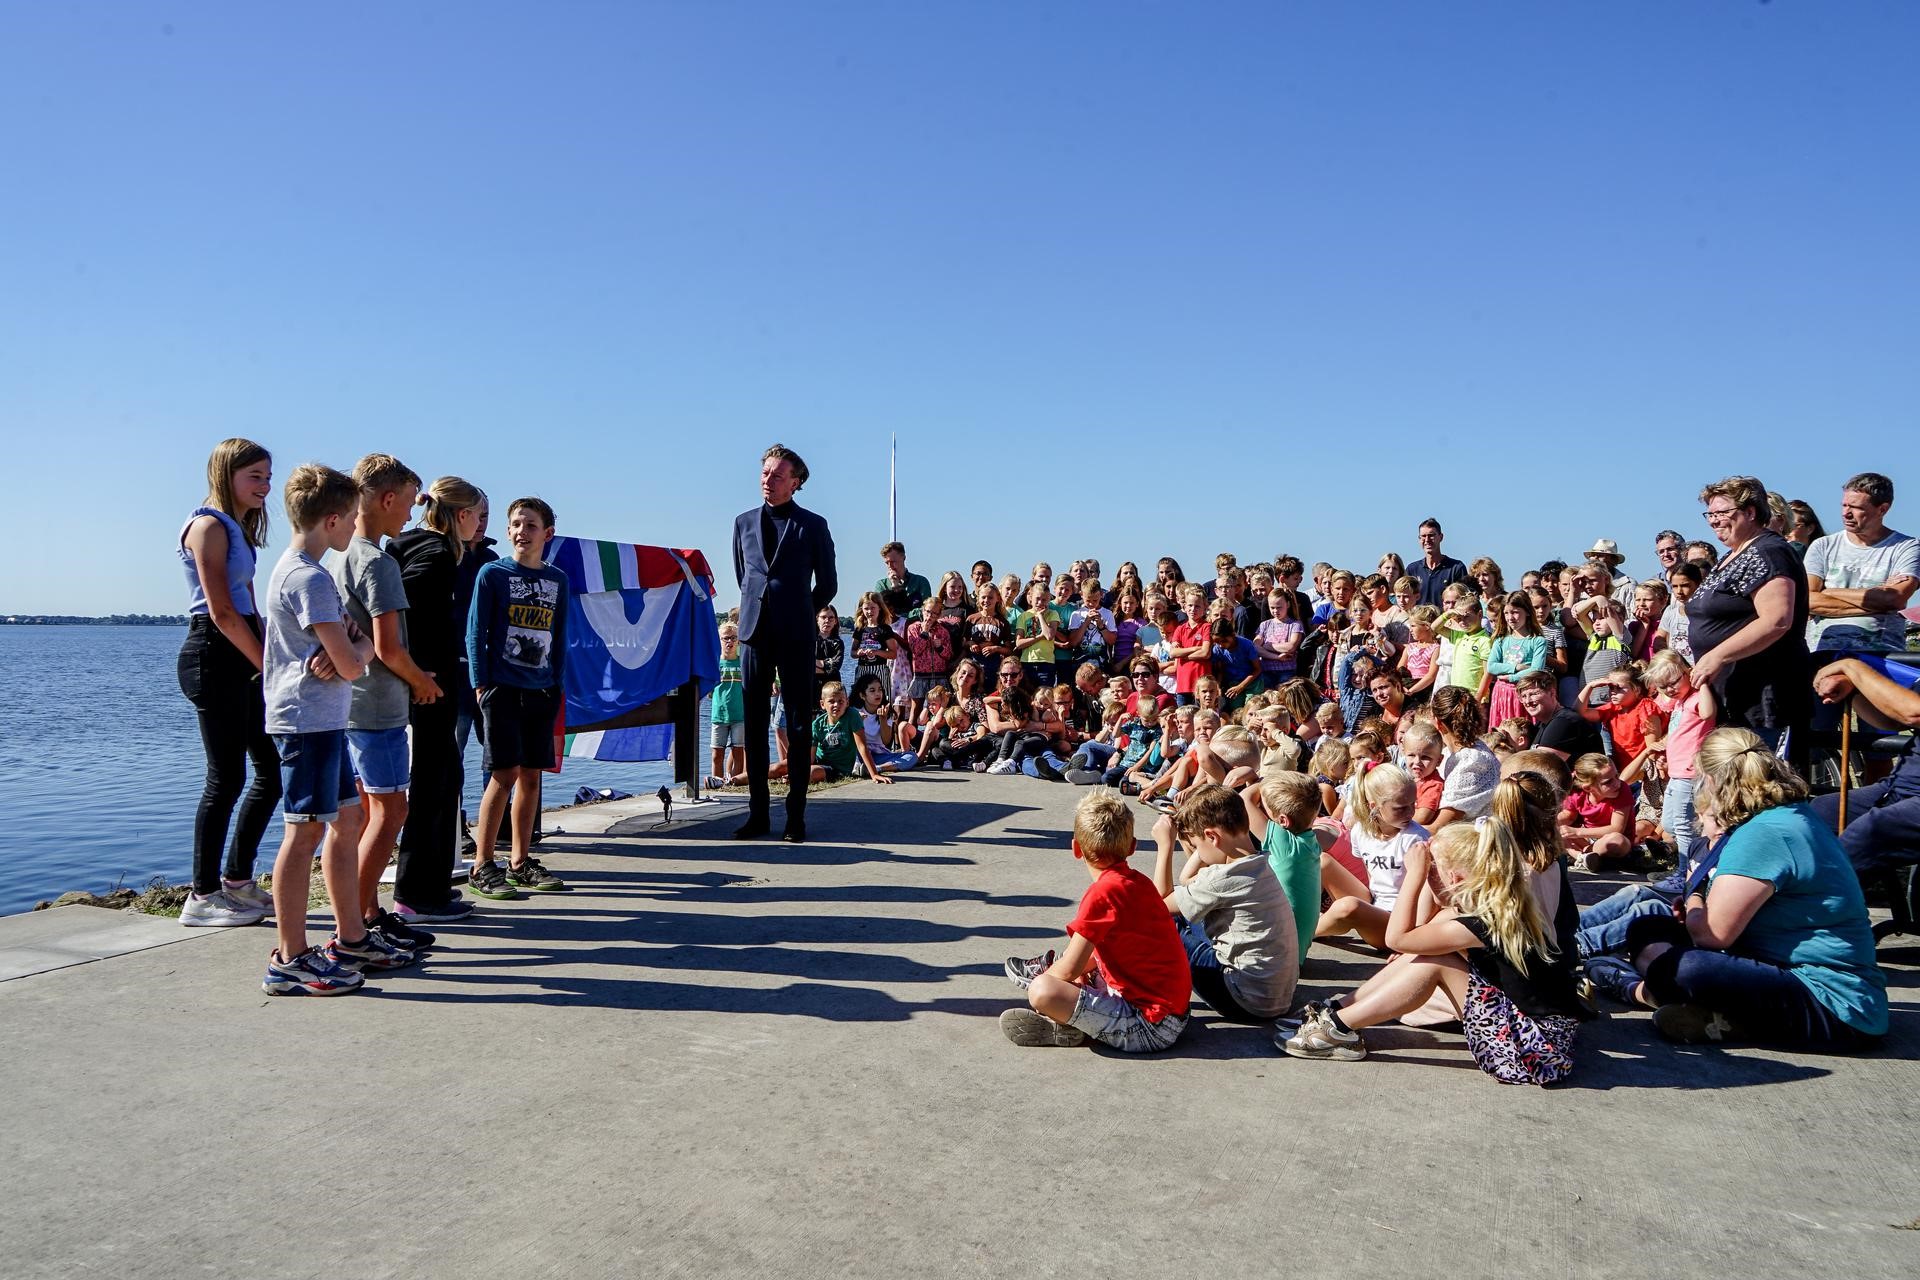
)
(782, 588)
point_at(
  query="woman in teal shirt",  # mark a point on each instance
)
(1774, 943)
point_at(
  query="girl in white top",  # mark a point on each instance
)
(1382, 829)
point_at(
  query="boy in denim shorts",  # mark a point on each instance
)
(516, 647)
(376, 599)
(1123, 979)
(311, 654)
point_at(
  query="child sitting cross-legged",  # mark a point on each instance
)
(1596, 821)
(1488, 945)
(1123, 978)
(839, 745)
(1280, 814)
(1381, 827)
(1232, 910)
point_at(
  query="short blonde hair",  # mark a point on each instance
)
(831, 687)
(1103, 828)
(1292, 796)
(313, 492)
(1742, 491)
(382, 473)
(1206, 715)
(1744, 777)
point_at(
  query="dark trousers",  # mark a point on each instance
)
(428, 842)
(793, 663)
(1209, 978)
(222, 686)
(1883, 825)
(1765, 999)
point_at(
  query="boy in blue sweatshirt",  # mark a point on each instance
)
(516, 650)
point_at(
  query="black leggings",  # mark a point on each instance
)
(225, 692)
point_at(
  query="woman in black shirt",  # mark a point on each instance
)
(1747, 622)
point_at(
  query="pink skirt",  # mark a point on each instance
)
(1505, 703)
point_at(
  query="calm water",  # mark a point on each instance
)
(100, 763)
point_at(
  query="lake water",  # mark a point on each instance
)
(101, 767)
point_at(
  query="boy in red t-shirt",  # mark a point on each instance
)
(1123, 978)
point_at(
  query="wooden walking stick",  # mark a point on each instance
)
(1846, 762)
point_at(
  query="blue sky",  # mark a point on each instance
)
(1127, 279)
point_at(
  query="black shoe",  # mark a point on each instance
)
(755, 829)
(1084, 777)
(796, 833)
(1044, 767)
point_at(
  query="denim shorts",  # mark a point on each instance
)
(380, 759)
(316, 775)
(1112, 1021)
(729, 735)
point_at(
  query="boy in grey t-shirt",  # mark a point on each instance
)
(310, 653)
(1233, 912)
(376, 600)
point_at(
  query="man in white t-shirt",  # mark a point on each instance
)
(1861, 578)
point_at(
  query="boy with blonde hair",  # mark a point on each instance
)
(376, 599)
(1232, 911)
(312, 653)
(1123, 979)
(1280, 818)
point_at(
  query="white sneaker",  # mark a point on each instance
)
(248, 893)
(1003, 767)
(218, 911)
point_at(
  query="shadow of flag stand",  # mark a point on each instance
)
(643, 649)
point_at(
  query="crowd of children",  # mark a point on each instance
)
(1420, 758)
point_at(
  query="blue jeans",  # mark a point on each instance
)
(1029, 763)
(1765, 999)
(1209, 978)
(1603, 926)
(1883, 824)
(1676, 812)
(1094, 755)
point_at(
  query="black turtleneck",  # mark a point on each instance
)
(773, 525)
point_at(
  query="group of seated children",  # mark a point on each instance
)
(1482, 913)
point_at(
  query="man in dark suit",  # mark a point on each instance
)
(783, 561)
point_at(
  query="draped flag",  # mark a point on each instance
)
(640, 624)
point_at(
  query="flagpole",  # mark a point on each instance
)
(893, 489)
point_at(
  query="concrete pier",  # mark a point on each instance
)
(721, 1059)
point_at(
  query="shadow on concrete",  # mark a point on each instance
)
(747, 890)
(800, 999)
(842, 817)
(758, 853)
(850, 966)
(529, 927)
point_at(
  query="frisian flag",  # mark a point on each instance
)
(640, 624)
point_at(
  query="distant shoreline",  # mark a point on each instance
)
(112, 620)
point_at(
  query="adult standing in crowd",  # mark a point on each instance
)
(783, 561)
(903, 591)
(1862, 577)
(1747, 621)
(1433, 570)
(219, 672)
(1669, 548)
(1605, 558)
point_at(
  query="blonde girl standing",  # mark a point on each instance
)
(219, 671)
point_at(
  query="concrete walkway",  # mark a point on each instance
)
(714, 1059)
